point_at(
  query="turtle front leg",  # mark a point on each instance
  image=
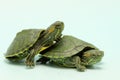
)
(30, 59)
(76, 60)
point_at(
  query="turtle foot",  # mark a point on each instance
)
(81, 68)
(30, 64)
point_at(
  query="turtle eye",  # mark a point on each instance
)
(58, 26)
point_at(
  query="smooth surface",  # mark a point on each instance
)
(95, 21)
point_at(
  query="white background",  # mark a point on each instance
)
(95, 21)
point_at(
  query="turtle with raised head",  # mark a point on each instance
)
(30, 42)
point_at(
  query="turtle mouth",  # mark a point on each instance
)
(94, 61)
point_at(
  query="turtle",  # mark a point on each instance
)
(30, 42)
(72, 52)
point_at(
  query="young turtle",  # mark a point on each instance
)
(30, 42)
(72, 52)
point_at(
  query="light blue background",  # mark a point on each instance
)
(95, 21)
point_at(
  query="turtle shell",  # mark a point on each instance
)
(67, 47)
(23, 41)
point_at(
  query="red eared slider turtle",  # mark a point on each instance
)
(30, 42)
(72, 52)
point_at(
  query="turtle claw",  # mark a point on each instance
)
(30, 64)
(81, 68)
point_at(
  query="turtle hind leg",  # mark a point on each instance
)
(77, 61)
(43, 60)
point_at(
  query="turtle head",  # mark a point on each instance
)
(92, 57)
(55, 29)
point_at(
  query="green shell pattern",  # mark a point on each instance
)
(67, 47)
(23, 41)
